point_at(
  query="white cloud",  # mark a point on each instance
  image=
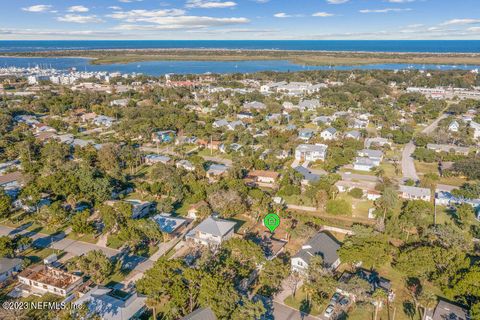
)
(116, 8)
(38, 8)
(322, 14)
(337, 1)
(129, 1)
(210, 4)
(474, 29)
(460, 22)
(75, 18)
(169, 19)
(78, 9)
(282, 15)
(386, 10)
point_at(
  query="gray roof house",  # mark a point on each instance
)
(211, 232)
(201, 314)
(353, 134)
(8, 267)
(415, 193)
(448, 311)
(109, 306)
(322, 245)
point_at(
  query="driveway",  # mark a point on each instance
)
(408, 164)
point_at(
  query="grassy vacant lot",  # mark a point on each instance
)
(317, 58)
(424, 168)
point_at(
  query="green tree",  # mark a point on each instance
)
(7, 247)
(80, 223)
(5, 204)
(96, 264)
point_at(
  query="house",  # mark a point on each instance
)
(103, 121)
(201, 314)
(172, 226)
(220, 123)
(320, 244)
(41, 279)
(360, 123)
(216, 170)
(380, 142)
(119, 103)
(141, 208)
(447, 311)
(353, 134)
(110, 304)
(375, 155)
(372, 277)
(263, 178)
(232, 126)
(211, 232)
(445, 198)
(311, 104)
(454, 126)
(415, 193)
(329, 134)
(308, 176)
(151, 159)
(448, 148)
(13, 180)
(255, 105)
(305, 134)
(348, 185)
(245, 116)
(311, 152)
(322, 120)
(8, 166)
(8, 267)
(165, 136)
(185, 164)
(476, 129)
(364, 164)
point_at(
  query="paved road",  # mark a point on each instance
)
(226, 162)
(408, 164)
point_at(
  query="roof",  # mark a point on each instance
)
(416, 191)
(449, 311)
(307, 174)
(362, 161)
(320, 244)
(215, 226)
(7, 264)
(167, 223)
(11, 177)
(102, 301)
(321, 148)
(370, 153)
(201, 314)
(331, 130)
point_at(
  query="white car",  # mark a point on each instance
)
(329, 311)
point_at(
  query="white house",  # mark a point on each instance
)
(415, 193)
(329, 134)
(364, 164)
(476, 129)
(8, 267)
(105, 303)
(41, 279)
(454, 126)
(319, 245)
(311, 152)
(211, 232)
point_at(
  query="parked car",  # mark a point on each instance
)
(329, 311)
(336, 297)
(344, 302)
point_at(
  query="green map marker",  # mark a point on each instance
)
(271, 221)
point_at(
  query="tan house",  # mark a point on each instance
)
(41, 279)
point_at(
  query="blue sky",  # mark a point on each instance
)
(239, 19)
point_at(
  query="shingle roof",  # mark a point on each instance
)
(201, 314)
(7, 264)
(320, 244)
(215, 226)
(447, 310)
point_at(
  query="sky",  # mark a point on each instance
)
(239, 19)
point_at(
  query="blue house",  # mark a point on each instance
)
(166, 136)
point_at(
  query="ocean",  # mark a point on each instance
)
(438, 46)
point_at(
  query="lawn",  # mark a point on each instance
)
(300, 303)
(360, 207)
(299, 200)
(90, 238)
(424, 168)
(37, 255)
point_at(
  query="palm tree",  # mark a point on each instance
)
(428, 301)
(379, 173)
(378, 297)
